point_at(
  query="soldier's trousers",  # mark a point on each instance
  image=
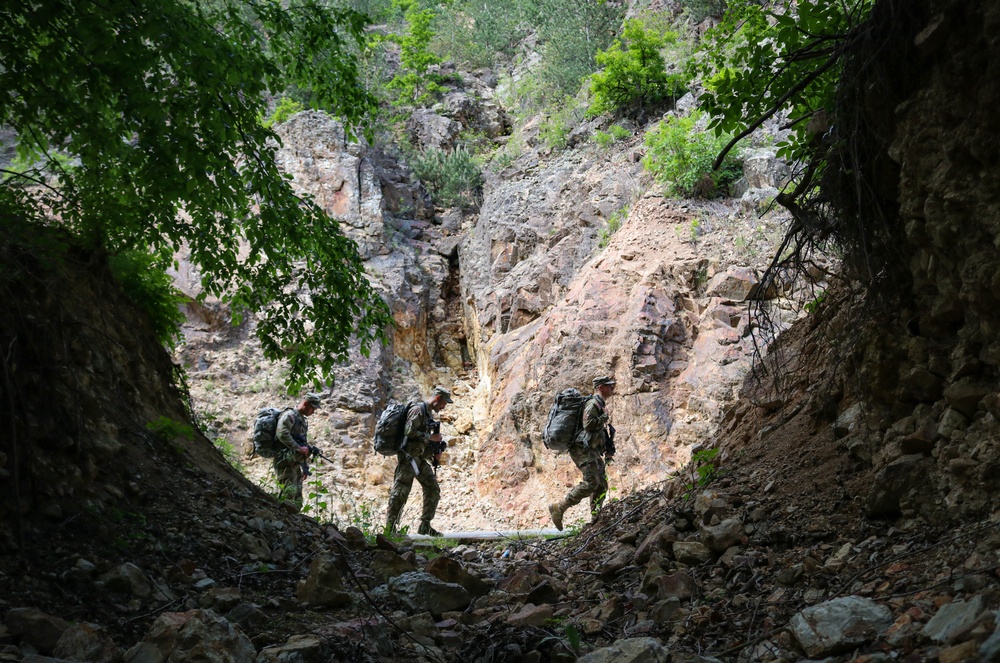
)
(288, 472)
(402, 482)
(595, 482)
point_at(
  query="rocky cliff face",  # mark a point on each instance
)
(912, 393)
(534, 294)
(944, 402)
(549, 308)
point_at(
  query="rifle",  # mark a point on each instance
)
(609, 444)
(316, 451)
(313, 452)
(434, 428)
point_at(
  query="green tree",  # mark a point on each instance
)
(453, 177)
(414, 83)
(633, 71)
(571, 33)
(762, 61)
(478, 32)
(157, 105)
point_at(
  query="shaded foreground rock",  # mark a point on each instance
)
(633, 650)
(423, 592)
(839, 625)
(324, 587)
(193, 635)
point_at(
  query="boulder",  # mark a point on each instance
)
(220, 599)
(632, 650)
(195, 635)
(723, 536)
(763, 169)
(36, 628)
(298, 649)
(953, 619)
(678, 585)
(531, 615)
(432, 131)
(324, 586)
(127, 579)
(734, 284)
(423, 592)
(839, 625)
(386, 564)
(660, 538)
(449, 570)
(87, 642)
(691, 552)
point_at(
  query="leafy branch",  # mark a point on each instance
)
(158, 107)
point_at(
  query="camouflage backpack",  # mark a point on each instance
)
(390, 428)
(265, 440)
(565, 420)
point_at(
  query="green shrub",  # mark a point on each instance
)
(166, 429)
(286, 108)
(680, 156)
(633, 71)
(614, 224)
(453, 178)
(558, 124)
(554, 131)
(507, 154)
(144, 279)
(476, 32)
(615, 133)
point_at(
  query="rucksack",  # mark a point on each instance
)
(265, 441)
(390, 428)
(565, 420)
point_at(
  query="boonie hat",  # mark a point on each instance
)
(441, 391)
(314, 400)
(603, 380)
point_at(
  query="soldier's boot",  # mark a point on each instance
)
(392, 521)
(425, 528)
(556, 510)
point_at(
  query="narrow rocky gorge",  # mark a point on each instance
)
(508, 306)
(849, 514)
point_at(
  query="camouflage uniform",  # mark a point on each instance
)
(587, 452)
(413, 462)
(288, 463)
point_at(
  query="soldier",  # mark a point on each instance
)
(420, 446)
(588, 451)
(291, 432)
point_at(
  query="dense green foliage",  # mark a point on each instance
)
(144, 278)
(633, 72)
(158, 107)
(571, 34)
(557, 125)
(414, 84)
(820, 67)
(763, 61)
(679, 154)
(699, 10)
(478, 33)
(453, 177)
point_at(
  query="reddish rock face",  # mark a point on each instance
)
(640, 311)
